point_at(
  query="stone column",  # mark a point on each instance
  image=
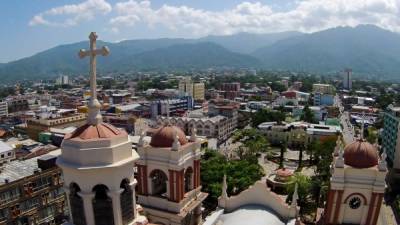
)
(338, 206)
(377, 209)
(197, 214)
(88, 206)
(67, 193)
(116, 203)
(371, 209)
(145, 181)
(172, 185)
(329, 206)
(133, 185)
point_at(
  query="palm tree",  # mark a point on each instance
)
(303, 190)
(301, 149)
(282, 155)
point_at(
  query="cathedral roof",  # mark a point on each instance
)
(101, 130)
(360, 154)
(163, 137)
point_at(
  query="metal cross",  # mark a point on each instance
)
(94, 116)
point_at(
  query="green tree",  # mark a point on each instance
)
(303, 188)
(323, 157)
(267, 115)
(240, 175)
(371, 135)
(253, 142)
(310, 149)
(282, 154)
(300, 166)
(277, 86)
(308, 115)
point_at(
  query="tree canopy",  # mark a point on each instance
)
(267, 115)
(253, 142)
(240, 175)
(308, 115)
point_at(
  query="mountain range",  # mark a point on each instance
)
(367, 49)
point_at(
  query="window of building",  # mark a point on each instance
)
(102, 206)
(126, 199)
(158, 183)
(77, 208)
(188, 179)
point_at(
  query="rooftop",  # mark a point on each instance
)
(19, 169)
(5, 147)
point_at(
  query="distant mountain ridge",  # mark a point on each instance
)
(366, 49)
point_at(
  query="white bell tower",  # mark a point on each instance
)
(97, 161)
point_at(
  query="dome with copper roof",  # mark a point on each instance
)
(163, 137)
(360, 154)
(101, 130)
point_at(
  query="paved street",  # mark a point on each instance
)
(348, 130)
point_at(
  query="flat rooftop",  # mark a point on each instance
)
(19, 169)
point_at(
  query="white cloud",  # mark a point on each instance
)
(70, 15)
(305, 15)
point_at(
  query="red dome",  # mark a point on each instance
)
(102, 130)
(360, 154)
(163, 137)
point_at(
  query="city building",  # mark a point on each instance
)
(177, 106)
(391, 119)
(17, 104)
(323, 88)
(62, 80)
(169, 187)
(219, 127)
(297, 134)
(297, 85)
(7, 153)
(347, 80)
(31, 192)
(321, 99)
(186, 86)
(349, 101)
(196, 90)
(230, 90)
(357, 185)
(3, 109)
(49, 117)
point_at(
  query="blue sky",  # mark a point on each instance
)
(30, 26)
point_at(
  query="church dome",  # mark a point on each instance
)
(163, 137)
(360, 154)
(101, 130)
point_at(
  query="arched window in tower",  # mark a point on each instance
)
(102, 206)
(126, 202)
(159, 183)
(188, 179)
(77, 208)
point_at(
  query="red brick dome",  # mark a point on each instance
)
(163, 137)
(101, 130)
(360, 154)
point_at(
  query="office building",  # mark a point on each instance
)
(391, 119)
(31, 192)
(195, 90)
(347, 82)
